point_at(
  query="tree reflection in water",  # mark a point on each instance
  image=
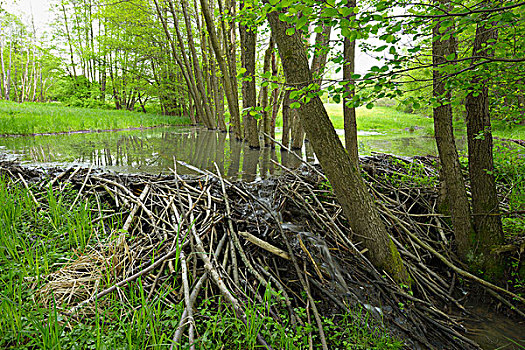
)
(154, 151)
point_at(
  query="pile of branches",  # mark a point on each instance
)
(286, 233)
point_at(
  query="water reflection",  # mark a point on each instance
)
(154, 151)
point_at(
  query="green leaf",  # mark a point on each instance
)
(294, 94)
(241, 72)
(295, 105)
(346, 11)
(290, 31)
(301, 23)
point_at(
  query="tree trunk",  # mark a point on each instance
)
(8, 76)
(349, 116)
(184, 67)
(451, 177)
(3, 87)
(70, 42)
(218, 94)
(209, 117)
(286, 119)
(277, 97)
(297, 130)
(345, 178)
(485, 205)
(263, 96)
(249, 95)
(231, 91)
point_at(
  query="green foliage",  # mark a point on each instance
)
(79, 92)
(509, 172)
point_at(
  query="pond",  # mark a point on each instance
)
(154, 150)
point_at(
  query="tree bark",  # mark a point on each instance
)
(70, 42)
(231, 91)
(184, 67)
(286, 119)
(485, 204)
(3, 86)
(349, 116)
(345, 178)
(249, 95)
(211, 124)
(263, 96)
(451, 177)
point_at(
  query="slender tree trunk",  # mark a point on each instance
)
(277, 97)
(485, 204)
(206, 63)
(8, 76)
(228, 44)
(229, 89)
(70, 42)
(3, 87)
(286, 119)
(450, 174)
(196, 67)
(184, 67)
(297, 130)
(322, 41)
(349, 116)
(218, 94)
(25, 76)
(263, 93)
(249, 95)
(345, 178)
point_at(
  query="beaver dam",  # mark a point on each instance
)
(275, 256)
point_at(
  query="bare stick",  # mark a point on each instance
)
(82, 187)
(265, 245)
(450, 264)
(189, 306)
(28, 190)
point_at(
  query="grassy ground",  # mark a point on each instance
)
(380, 119)
(388, 120)
(28, 118)
(39, 239)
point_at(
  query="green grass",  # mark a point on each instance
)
(389, 120)
(36, 240)
(505, 131)
(380, 119)
(29, 118)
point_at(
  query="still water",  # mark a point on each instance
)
(154, 151)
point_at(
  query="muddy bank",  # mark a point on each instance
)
(287, 232)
